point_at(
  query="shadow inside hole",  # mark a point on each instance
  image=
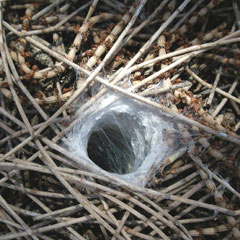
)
(111, 149)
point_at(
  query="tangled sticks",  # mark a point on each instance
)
(58, 61)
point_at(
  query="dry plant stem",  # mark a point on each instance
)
(82, 31)
(80, 198)
(48, 210)
(10, 131)
(185, 16)
(11, 117)
(25, 167)
(171, 174)
(9, 79)
(111, 37)
(121, 225)
(16, 99)
(191, 208)
(236, 12)
(7, 208)
(93, 210)
(171, 6)
(46, 9)
(17, 134)
(171, 223)
(221, 59)
(194, 189)
(137, 214)
(144, 23)
(200, 13)
(4, 215)
(13, 224)
(133, 187)
(64, 8)
(236, 107)
(119, 40)
(74, 235)
(183, 51)
(21, 165)
(22, 87)
(178, 184)
(54, 214)
(204, 172)
(58, 25)
(218, 90)
(165, 213)
(21, 6)
(203, 113)
(160, 90)
(49, 72)
(49, 228)
(120, 228)
(91, 10)
(165, 69)
(208, 91)
(135, 232)
(224, 100)
(25, 91)
(211, 96)
(36, 192)
(148, 44)
(217, 32)
(209, 231)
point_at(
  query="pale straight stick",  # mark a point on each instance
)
(211, 96)
(91, 10)
(235, 106)
(54, 28)
(185, 16)
(159, 90)
(236, 12)
(7, 208)
(204, 172)
(100, 50)
(121, 225)
(165, 213)
(223, 102)
(218, 90)
(150, 42)
(48, 210)
(165, 69)
(206, 46)
(213, 175)
(25, 91)
(143, 24)
(46, 9)
(137, 214)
